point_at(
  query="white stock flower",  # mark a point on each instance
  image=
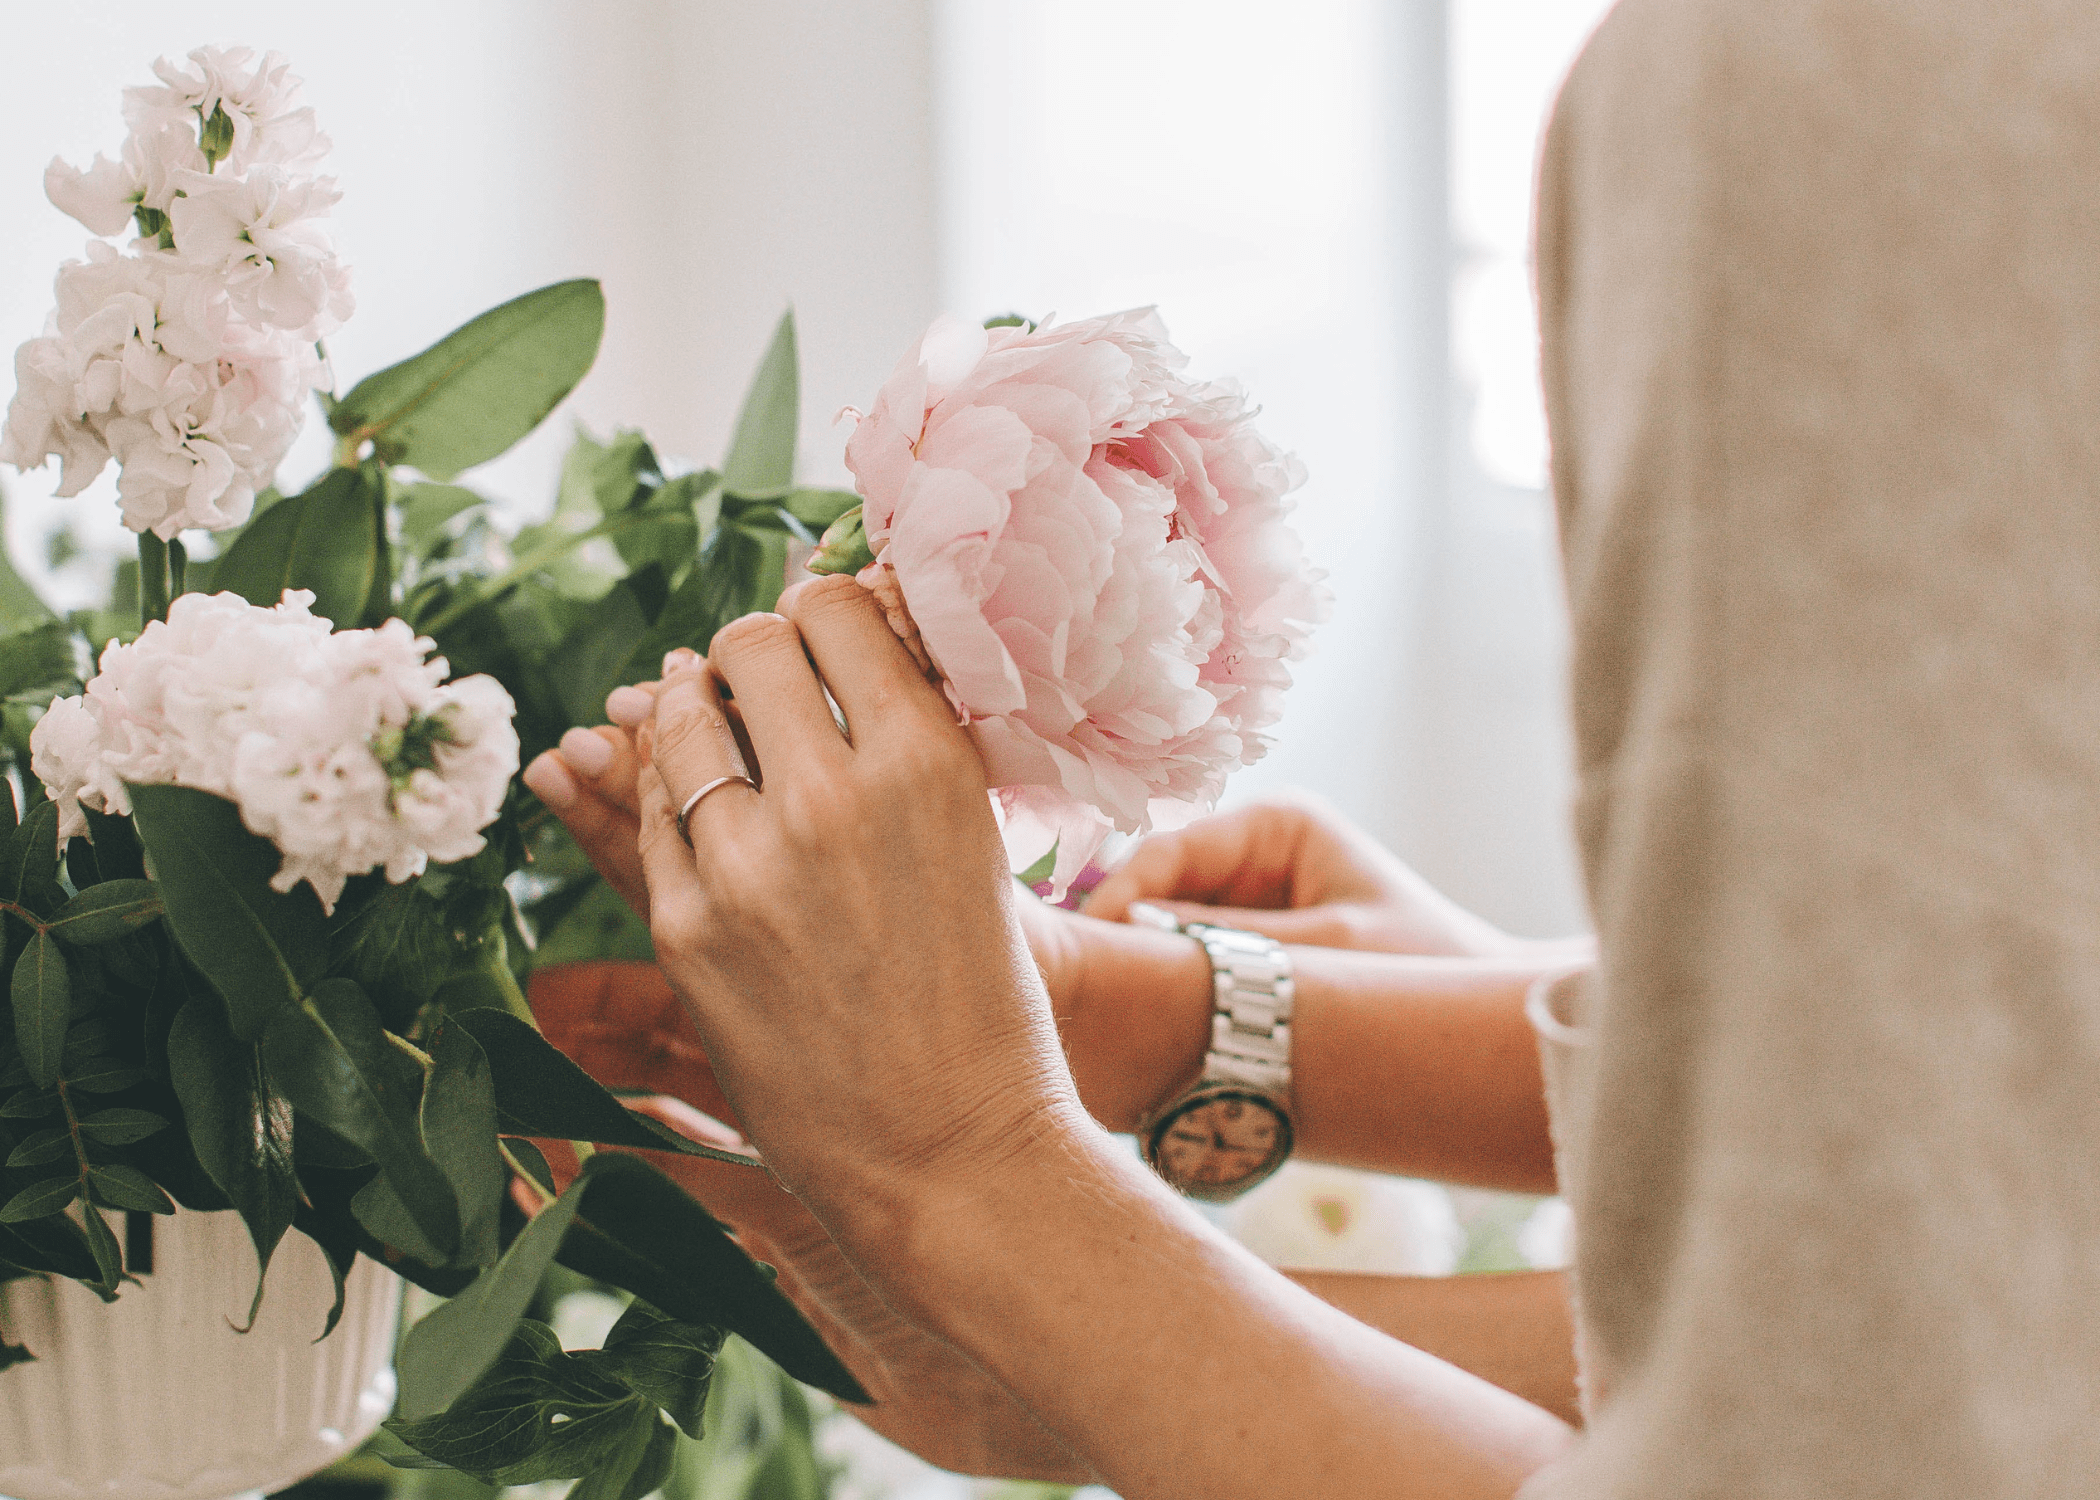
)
(257, 232)
(349, 751)
(189, 360)
(259, 96)
(147, 172)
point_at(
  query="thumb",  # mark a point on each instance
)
(1329, 926)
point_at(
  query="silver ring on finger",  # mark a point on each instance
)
(686, 812)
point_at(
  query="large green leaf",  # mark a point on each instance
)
(541, 1413)
(668, 1361)
(327, 539)
(261, 949)
(480, 388)
(540, 1091)
(240, 1130)
(29, 861)
(643, 1233)
(761, 458)
(332, 1059)
(451, 1349)
(42, 995)
(107, 912)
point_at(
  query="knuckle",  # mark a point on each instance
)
(687, 724)
(826, 598)
(751, 635)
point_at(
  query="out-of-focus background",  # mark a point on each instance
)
(1328, 200)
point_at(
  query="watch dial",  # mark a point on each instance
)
(1218, 1142)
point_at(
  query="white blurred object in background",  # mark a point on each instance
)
(1310, 1217)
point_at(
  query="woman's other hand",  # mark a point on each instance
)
(1292, 867)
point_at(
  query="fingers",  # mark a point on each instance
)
(761, 659)
(1330, 926)
(690, 741)
(1211, 857)
(870, 673)
(606, 831)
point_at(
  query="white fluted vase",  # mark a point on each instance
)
(157, 1397)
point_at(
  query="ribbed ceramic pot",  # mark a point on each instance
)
(156, 1397)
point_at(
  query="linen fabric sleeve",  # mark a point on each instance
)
(1820, 303)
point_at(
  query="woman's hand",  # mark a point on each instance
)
(1294, 868)
(633, 1034)
(845, 935)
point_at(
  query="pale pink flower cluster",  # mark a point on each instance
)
(189, 355)
(1095, 552)
(348, 750)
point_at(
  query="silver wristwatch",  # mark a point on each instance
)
(1232, 1127)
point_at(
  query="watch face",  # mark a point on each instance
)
(1220, 1142)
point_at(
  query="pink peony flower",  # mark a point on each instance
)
(1094, 553)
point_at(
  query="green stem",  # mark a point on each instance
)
(178, 568)
(525, 567)
(153, 579)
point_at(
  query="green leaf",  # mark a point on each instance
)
(603, 479)
(322, 540)
(19, 604)
(43, 1003)
(41, 1148)
(644, 1234)
(36, 657)
(30, 1104)
(531, 1160)
(261, 949)
(54, 1245)
(637, 1467)
(239, 1128)
(128, 1187)
(761, 458)
(450, 1350)
(817, 509)
(844, 546)
(426, 509)
(396, 943)
(459, 1128)
(671, 1363)
(480, 388)
(29, 861)
(332, 1059)
(539, 1413)
(37, 1201)
(540, 1091)
(120, 1127)
(105, 1076)
(106, 912)
(109, 1260)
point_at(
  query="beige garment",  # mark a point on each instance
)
(1820, 288)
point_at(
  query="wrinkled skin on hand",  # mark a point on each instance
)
(630, 1031)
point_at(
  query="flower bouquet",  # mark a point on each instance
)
(271, 885)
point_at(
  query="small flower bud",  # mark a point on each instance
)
(844, 546)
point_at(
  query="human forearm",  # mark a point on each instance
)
(1173, 1362)
(1515, 1330)
(1425, 1066)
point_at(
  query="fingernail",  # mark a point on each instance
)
(586, 752)
(1145, 914)
(678, 658)
(628, 705)
(550, 781)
